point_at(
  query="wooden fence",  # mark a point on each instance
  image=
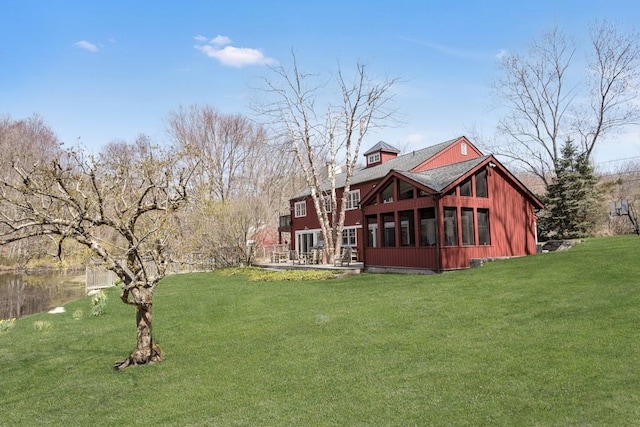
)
(267, 253)
(98, 277)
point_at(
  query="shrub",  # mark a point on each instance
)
(99, 303)
(42, 326)
(7, 325)
(289, 275)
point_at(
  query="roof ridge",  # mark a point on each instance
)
(403, 162)
(473, 160)
(442, 176)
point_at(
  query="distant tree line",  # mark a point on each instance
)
(561, 98)
(240, 183)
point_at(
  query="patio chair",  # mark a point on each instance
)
(345, 257)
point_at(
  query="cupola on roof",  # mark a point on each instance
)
(382, 146)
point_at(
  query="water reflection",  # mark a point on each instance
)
(25, 294)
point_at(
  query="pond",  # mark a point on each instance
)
(25, 294)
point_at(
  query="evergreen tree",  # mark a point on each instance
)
(572, 200)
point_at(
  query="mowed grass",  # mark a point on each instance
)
(552, 339)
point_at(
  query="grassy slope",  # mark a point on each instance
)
(545, 340)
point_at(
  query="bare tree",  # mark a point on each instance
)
(325, 138)
(547, 104)
(225, 146)
(240, 184)
(28, 140)
(613, 77)
(120, 205)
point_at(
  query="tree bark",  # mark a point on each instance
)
(147, 351)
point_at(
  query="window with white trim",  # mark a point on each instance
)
(349, 237)
(300, 209)
(327, 203)
(372, 235)
(373, 158)
(463, 148)
(353, 199)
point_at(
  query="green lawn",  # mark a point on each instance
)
(552, 339)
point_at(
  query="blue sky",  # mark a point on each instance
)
(100, 71)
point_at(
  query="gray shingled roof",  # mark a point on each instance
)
(382, 146)
(405, 162)
(440, 178)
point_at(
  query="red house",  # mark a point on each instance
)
(436, 209)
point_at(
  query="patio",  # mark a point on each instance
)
(352, 268)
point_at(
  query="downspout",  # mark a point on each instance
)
(436, 200)
(365, 236)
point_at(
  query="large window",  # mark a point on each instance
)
(389, 234)
(353, 199)
(349, 237)
(481, 184)
(428, 227)
(405, 190)
(467, 227)
(484, 235)
(372, 231)
(387, 193)
(407, 229)
(300, 209)
(305, 241)
(465, 188)
(450, 227)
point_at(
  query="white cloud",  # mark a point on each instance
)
(236, 56)
(501, 54)
(83, 44)
(220, 40)
(200, 38)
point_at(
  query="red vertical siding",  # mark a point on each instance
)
(352, 217)
(409, 257)
(511, 227)
(384, 156)
(514, 217)
(310, 220)
(451, 154)
(511, 224)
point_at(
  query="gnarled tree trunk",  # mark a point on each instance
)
(147, 351)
